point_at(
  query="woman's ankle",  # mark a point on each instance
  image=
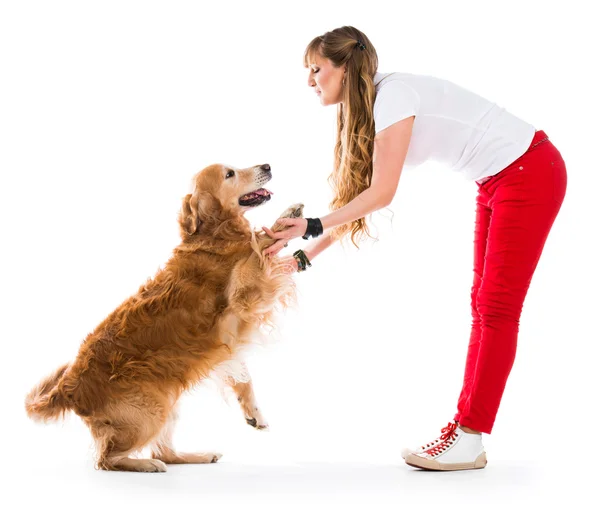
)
(468, 430)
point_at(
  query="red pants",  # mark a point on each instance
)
(515, 211)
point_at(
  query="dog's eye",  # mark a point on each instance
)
(230, 174)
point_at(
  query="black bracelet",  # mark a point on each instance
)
(302, 260)
(314, 228)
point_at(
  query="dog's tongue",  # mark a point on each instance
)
(262, 191)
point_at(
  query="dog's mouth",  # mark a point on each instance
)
(255, 198)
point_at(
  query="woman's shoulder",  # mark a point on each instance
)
(380, 78)
(396, 98)
(391, 85)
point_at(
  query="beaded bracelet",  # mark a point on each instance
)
(302, 260)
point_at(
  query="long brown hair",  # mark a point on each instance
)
(353, 152)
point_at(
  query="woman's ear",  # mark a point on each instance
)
(188, 217)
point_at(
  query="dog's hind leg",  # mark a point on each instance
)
(162, 447)
(245, 395)
(115, 442)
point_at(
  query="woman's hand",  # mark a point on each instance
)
(296, 228)
(290, 264)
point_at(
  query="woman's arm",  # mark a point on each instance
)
(316, 246)
(389, 153)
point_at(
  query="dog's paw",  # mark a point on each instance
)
(216, 457)
(151, 466)
(253, 422)
(256, 419)
(293, 211)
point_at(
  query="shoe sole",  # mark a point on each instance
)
(419, 462)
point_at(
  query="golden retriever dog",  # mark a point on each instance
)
(191, 321)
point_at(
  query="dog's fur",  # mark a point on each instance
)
(200, 310)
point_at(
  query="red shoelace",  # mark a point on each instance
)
(446, 439)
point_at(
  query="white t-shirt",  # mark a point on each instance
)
(452, 125)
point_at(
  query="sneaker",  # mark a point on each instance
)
(456, 450)
(449, 428)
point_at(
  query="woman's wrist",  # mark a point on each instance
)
(316, 246)
(302, 260)
(314, 228)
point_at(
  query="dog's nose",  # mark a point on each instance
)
(265, 167)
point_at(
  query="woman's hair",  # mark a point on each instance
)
(353, 153)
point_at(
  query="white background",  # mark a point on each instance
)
(106, 111)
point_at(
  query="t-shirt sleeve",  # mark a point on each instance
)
(394, 101)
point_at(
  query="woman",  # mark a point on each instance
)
(388, 121)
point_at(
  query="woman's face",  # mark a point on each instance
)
(326, 79)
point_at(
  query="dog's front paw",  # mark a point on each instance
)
(256, 419)
(254, 423)
(293, 211)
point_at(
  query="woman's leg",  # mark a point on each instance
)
(524, 200)
(483, 216)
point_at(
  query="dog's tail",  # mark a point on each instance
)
(46, 402)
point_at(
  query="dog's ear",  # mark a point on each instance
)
(189, 220)
(198, 208)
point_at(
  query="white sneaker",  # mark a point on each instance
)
(448, 428)
(455, 450)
